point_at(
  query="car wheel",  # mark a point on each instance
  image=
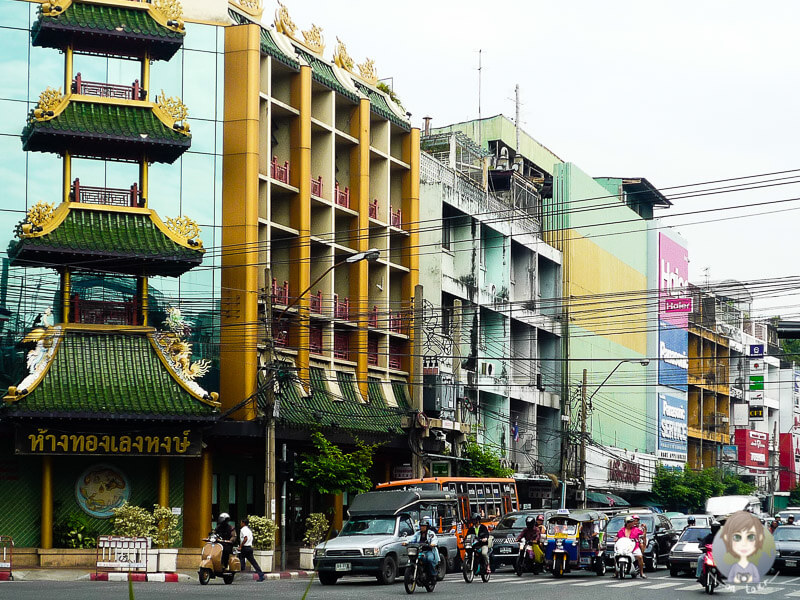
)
(327, 578)
(673, 572)
(650, 564)
(388, 571)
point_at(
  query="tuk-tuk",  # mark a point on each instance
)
(574, 541)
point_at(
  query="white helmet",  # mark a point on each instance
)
(223, 518)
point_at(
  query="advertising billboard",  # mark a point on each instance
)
(789, 460)
(673, 314)
(753, 448)
(673, 428)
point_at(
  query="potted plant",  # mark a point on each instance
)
(135, 521)
(165, 529)
(316, 530)
(264, 531)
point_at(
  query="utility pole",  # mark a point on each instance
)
(416, 382)
(283, 515)
(480, 126)
(269, 437)
(456, 328)
(583, 438)
(516, 118)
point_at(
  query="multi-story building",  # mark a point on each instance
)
(320, 168)
(111, 406)
(493, 291)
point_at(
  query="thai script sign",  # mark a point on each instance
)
(753, 447)
(673, 429)
(33, 440)
(623, 471)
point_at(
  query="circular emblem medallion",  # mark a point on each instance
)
(100, 489)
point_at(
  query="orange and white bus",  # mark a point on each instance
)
(489, 497)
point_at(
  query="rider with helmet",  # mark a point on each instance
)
(708, 540)
(226, 534)
(426, 535)
(531, 533)
(481, 534)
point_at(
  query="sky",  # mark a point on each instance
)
(678, 92)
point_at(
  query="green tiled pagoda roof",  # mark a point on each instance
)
(401, 394)
(99, 373)
(123, 242)
(268, 45)
(108, 29)
(378, 105)
(323, 73)
(323, 410)
(375, 391)
(102, 130)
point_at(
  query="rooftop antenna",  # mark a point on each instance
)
(479, 98)
(516, 118)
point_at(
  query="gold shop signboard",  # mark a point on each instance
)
(38, 440)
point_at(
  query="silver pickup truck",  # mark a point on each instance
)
(371, 541)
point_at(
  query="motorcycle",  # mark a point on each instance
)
(528, 561)
(711, 577)
(624, 561)
(416, 573)
(211, 562)
(473, 565)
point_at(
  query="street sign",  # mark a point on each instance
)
(756, 350)
(440, 468)
(756, 382)
(402, 472)
(756, 413)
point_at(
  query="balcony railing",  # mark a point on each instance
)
(372, 320)
(110, 196)
(279, 335)
(373, 209)
(103, 312)
(397, 218)
(316, 187)
(342, 197)
(315, 302)
(315, 340)
(395, 322)
(372, 352)
(395, 353)
(341, 346)
(280, 293)
(108, 90)
(341, 308)
(279, 173)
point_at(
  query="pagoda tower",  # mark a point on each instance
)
(104, 380)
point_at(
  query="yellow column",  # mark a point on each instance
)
(197, 516)
(239, 331)
(338, 511)
(144, 181)
(67, 171)
(359, 272)
(410, 222)
(67, 70)
(300, 251)
(47, 502)
(163, 481)
(145, 82)
(66, 280)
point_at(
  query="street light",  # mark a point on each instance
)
(370, 255)
(584, 401)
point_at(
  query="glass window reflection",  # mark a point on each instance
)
(46, 70)
(200, 37)
(13, 114)
(15, 14)
(199, 88)
(165, 189)
(14, 63)
(12, 174)
(197, 193)
(168, 76)
(42, 185)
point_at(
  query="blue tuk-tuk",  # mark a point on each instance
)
(573, 541)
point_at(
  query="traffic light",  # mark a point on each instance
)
(286, 468)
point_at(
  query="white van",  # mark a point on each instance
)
(719, 506)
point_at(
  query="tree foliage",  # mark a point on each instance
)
(791, 350)
(328, 470)
(485, 462)
(689, 490)
(794, 497)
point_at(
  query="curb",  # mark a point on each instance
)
(5, 576)
(138, 577)
(285, 575)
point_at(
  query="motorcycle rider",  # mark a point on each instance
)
(481, 533)
(708, 540)
(426, 535)
(690, 522)
(531, 533)
(226, 534)
(630, 530)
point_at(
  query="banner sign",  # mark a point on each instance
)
(730, 453)
(674, 307)
(678, 305)
(673, 429)
(753, 448)
(35, 440)
(673, 356)
(756, 413)
(756, 350)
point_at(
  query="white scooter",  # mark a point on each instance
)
(624, 561)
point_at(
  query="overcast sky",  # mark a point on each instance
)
(679, 92)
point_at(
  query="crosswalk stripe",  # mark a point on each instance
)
(696, 586)
(628, 583)
(793, 595)
(661, 586)
(554, 582)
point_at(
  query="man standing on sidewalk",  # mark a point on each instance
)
(246, 548)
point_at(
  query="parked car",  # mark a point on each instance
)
(672, 514)
(682, 522)
(686, 552)
(785, 514)
(506, 547)
(660, 538)
(787, 547)
(371, 540)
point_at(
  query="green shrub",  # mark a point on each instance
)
(316, 529)
(165, 526)
(75, 532)
(132, 521)
(264, 531)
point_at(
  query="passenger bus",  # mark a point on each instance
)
(489, 497)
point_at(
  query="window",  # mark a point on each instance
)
(446, 233)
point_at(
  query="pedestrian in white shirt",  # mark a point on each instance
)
(246, 548)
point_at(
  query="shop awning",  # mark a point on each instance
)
(606, 499)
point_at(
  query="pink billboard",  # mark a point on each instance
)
(673, 278)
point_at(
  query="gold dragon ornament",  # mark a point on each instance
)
(368, 72)
(175, 108)
(251, 7)
(49, 100)
(178, 350)
(38, 216)
(314, 39)
(283, 22)
(186, 228)
(171, 9)
(341, 57)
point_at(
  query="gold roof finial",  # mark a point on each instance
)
(38, 216)
(49, 100)
(254, 8)
(314, 40)
(171, 9)
(341, 57)
(283, 22)
(186, 228)
(368, 72)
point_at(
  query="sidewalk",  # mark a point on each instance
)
(39, 574)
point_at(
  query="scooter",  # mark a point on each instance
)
(211, 562)
(473, 565)
(711, 577)
(624, 561)
(528, 561)
(416, 573)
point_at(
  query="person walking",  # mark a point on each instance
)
(246, 548)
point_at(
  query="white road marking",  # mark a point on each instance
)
(628, 583)
(661, 586)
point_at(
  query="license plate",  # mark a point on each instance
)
(693, 564)
(791, 563)
(586, 561)
(343, 566)
(505, 550)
